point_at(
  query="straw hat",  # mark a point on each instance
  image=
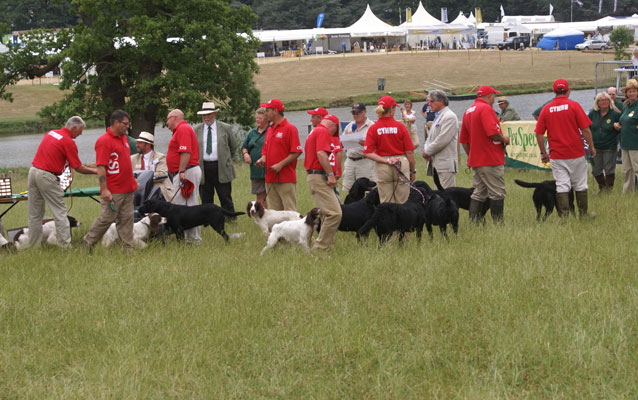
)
(146, 137)
(207, 108)
(631, 84)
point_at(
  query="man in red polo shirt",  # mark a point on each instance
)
(117, 183)
(279, 156)
(316, 115)
(56, 149)
(564, 120)
(182, 160)
(484, 144)
(322, 180)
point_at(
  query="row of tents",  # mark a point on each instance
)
(422, 28)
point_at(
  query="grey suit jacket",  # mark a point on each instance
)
(226, 148)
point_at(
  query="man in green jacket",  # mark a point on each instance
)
(216, 149)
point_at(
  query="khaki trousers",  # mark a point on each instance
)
(630, 170)
(330, 208)
(489, 182)
(282, 196)
(122, 216)
(194, 175)
(391, 189)
(44, 189)
(353, 170)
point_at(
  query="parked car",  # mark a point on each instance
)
(592, 44)
(514, 43)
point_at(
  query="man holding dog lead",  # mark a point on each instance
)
(182, 159)
(563, 120)
(117, 183)
(319, 149)
(484, 143)
(56, 149)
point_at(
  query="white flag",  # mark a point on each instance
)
(502, 11)
(551, 8)
(615, 5)
(600, 6)
(580, 3)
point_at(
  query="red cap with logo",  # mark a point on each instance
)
(187, 189)
(274, 103)
(387, 102)
(334, 119)
(485, 90)
(318, 111)
(561, 85)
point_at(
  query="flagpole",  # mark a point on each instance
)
(571, 11)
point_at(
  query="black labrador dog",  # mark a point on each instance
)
(545, 195)
(359, 189)
(441, 210)
(179, 218)
(390, 217)
(354, 215)
(461, 196)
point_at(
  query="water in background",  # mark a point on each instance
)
(18, 151)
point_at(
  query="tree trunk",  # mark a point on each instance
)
(145, 119)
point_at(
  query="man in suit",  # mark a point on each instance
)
(216, 150)
(147, 159)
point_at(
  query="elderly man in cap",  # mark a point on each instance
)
(564, 120)
(147, 159)
(217, 146)
(507, 113)
(320, 148)
(484, 144)
(356, 165)
(182, 160)
(279, 156)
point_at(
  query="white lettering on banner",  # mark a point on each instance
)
(183, 148)
(114, 165)
(55, 135)
(388, 130)
(563, 107)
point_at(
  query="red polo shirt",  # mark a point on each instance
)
(281, 140)
(113, 152)
(479, 123)
(55, 149)
(563, 118)
(336, 148)
(388, 137)
(182, 141)
(319, 139)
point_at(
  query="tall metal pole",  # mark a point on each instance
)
(571, 10)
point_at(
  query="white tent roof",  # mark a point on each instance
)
(370, 25)
(422, 18)
(461, 19)
(563, 31)
(471, 18)
(522, 19)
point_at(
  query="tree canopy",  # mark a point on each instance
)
(145, 57)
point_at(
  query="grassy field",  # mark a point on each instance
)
(523, 310)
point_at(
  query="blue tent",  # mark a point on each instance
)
(561, 39)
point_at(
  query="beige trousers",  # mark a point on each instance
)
(194, 175)
(489, 182)
(391, 189)
(353, 170)
(281, 196)
(330, 208)
(44, 189)
(122, 216)
(629, 170)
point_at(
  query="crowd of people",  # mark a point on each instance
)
(199, 160)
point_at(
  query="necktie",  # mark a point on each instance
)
(209, 140)
(142, 158)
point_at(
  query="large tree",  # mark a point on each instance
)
(145, 56)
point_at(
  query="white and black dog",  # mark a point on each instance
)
(21, 238)
(141, 230)
(298, 231)
(266, 219)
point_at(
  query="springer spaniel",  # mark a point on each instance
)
(141, 230)
(21, 238)
(299, 231)
(266, 219)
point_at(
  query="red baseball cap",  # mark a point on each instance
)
(187, 189)
(387, 102)
(485, 90)
(334, 119)
(318, 111)
(274, 103)
(561, 85)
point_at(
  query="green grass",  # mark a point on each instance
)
(524, 310)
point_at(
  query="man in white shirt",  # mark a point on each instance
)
(356, 165)
(217, 146)
(147, 159)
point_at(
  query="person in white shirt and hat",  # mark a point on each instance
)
(147, 159)
(217, 146)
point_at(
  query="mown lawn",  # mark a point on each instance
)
(523, 310)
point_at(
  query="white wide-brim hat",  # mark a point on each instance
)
(146, 137)
(207, 108)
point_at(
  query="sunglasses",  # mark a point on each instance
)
(356, 112)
